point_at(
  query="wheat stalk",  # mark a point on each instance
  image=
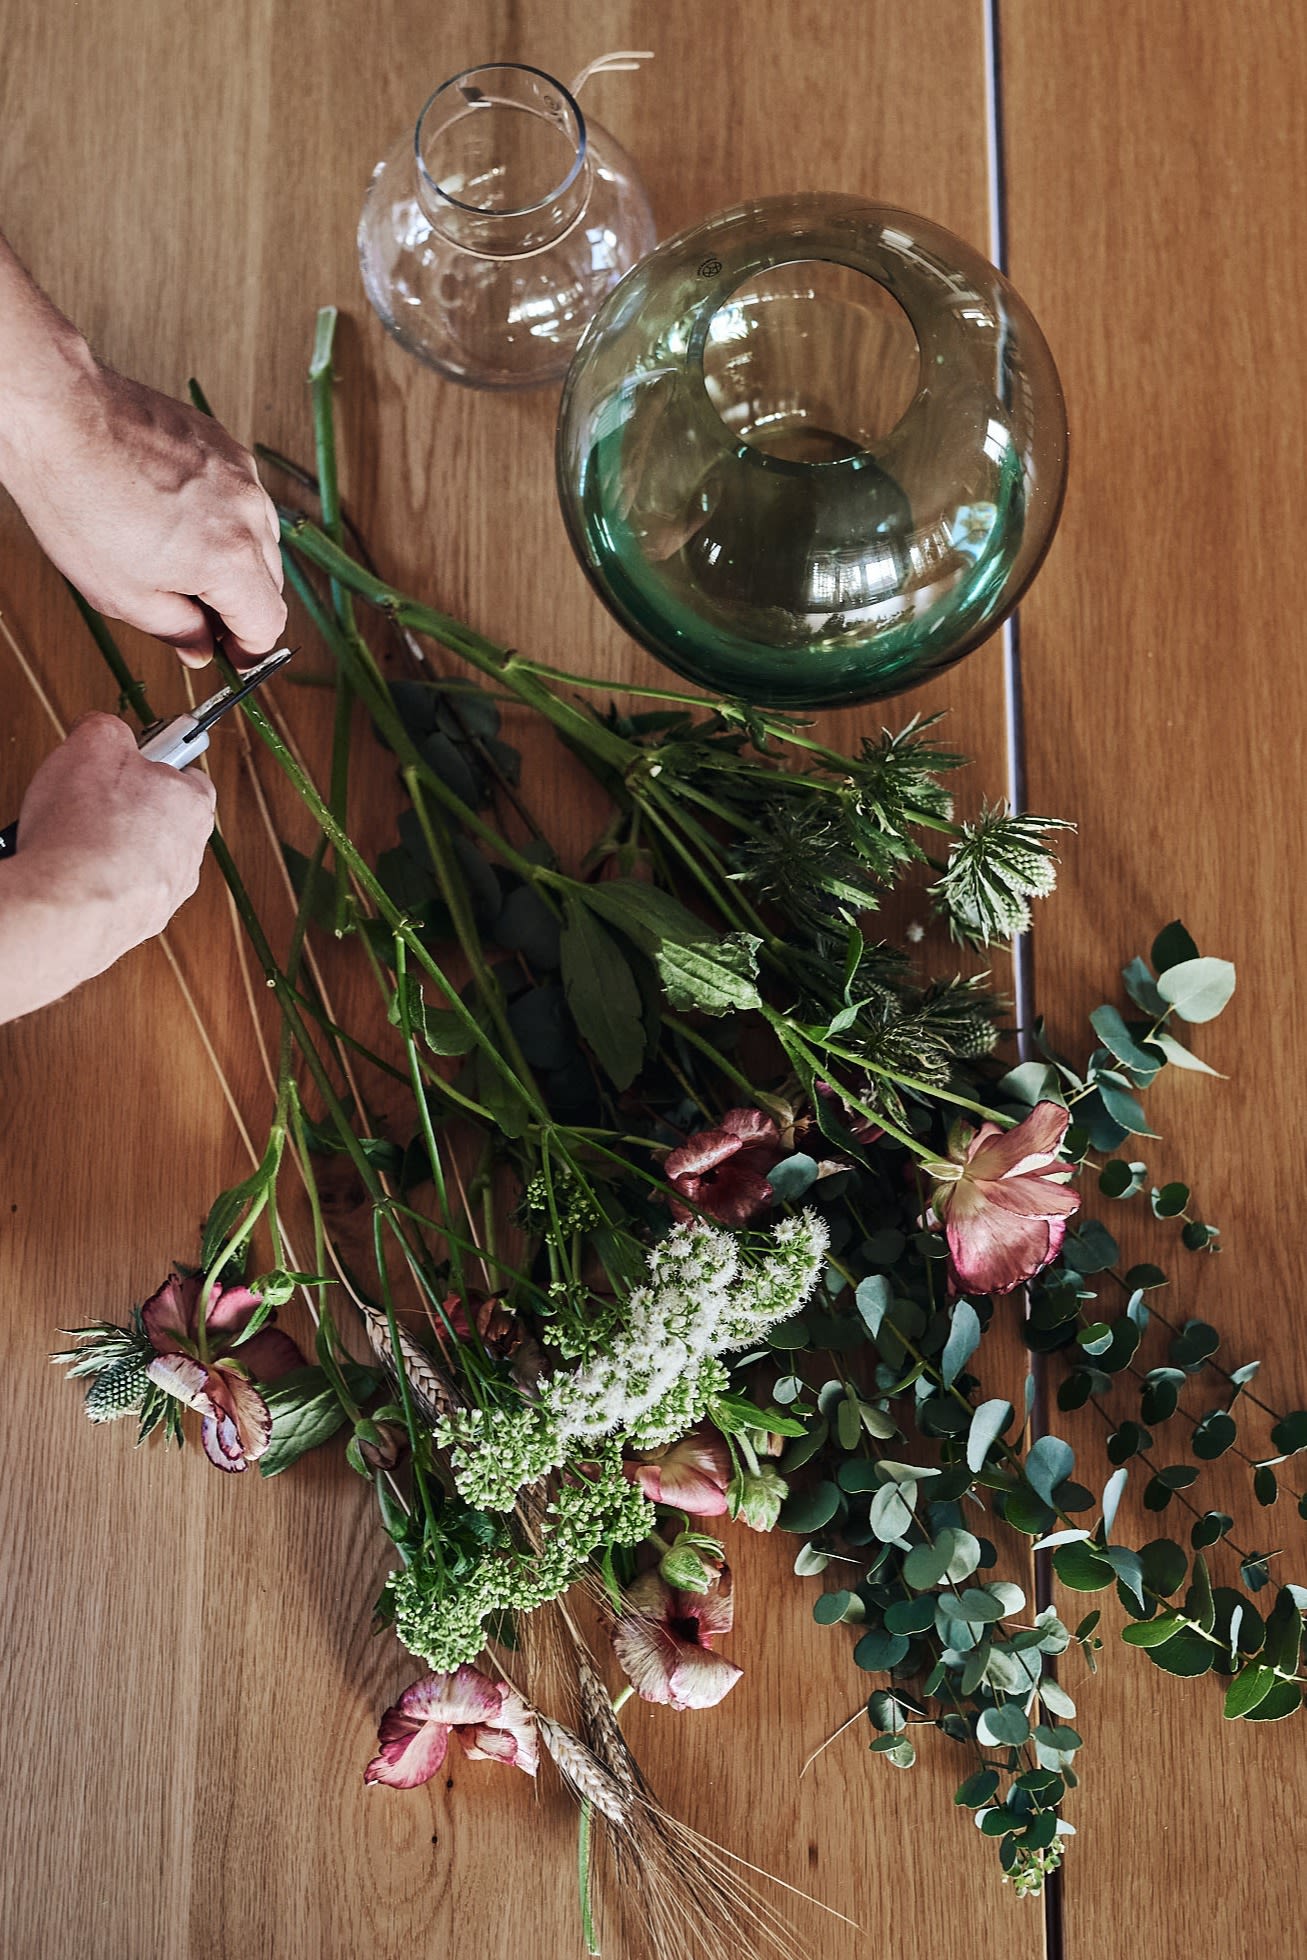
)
(434, 1395)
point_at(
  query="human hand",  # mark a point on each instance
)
(151, 509)
(114, 836)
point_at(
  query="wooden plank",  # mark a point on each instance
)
(1155, 158)
(187, 186)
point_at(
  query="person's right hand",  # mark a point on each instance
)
(116, 841)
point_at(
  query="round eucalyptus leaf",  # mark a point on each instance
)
(879, 1650)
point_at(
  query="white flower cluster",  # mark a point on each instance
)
(704, 1298)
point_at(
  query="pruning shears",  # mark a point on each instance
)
(182, 740)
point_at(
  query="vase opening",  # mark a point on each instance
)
(501, 160)
(810, 361)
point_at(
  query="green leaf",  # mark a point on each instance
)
(305, 1413)
(1118, 1179)
(1142, 988)
(1165, 1565)
(987, 1425)
(1199, 1606)
(1181, 1056)
(1170, 1201)
(831, 1608)
(872, 1298)
(1290, 1433)
(879, 1650)
(1266, 1487)
(1124, 1109)
(1206, 1530)
(602, 994)
(1112, 1493)
(1173, 947)
(963, 1340)
(1285, 1698)
(698, 968)
(1214, 1435)
(793, 1177)
(1186, 1653)
(1004, 1724)
(890, 1516)
(1197, 989)
(1091, 1249)
(954, 1556)
(1116, 1036)
(527, 925)
(807, 1511)
(1151, 1633)
(1283, 1634)
(1250, 1685)
(911, 1615)
(976, 1792)
(1082, 1568)
(1049, 1461)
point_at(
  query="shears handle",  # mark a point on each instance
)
(177, 743)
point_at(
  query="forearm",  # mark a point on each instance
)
(43, 360)
(53, 933)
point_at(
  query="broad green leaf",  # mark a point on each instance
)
(1172, 946)
(976, 1792)
(807, 1511)
(1112, 1492)
(872, 1298)
(305, 1412)
(1142, 988)
(879, 1650)
(987, 1425)
(1285, 1698)
(1186, 1653)
(1197, 989)
(1290, 1433)
(1250, 1685)
(1005, 1724)
(1181, 1056)
(1049, 1461)
(1082, 1567)
(1114, 1034)
(602, 995)
(963, 1340)
(698, 968)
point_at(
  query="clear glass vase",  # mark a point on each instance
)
(812, 451)
(491, 234)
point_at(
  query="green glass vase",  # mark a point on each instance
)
(812, 451)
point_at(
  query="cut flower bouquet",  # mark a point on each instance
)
(688, 1198)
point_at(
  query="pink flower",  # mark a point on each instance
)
(237, 1428)
(490, 1719)
(1003, 1201)
(691, 1475)
(663, 1640)
(723, 1172)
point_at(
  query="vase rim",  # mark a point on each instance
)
(577, 132)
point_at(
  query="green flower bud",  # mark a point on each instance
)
(757, 1496)
(692, 1564)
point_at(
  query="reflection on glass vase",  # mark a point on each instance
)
(812, 451)
(491, 234)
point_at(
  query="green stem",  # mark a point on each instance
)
(132, 690)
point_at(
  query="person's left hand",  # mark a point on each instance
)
(152, 511)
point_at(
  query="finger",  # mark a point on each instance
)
(97, 726)
(272, 559)
(179, 622)
(246, 599)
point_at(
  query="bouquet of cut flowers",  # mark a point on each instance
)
(688, 1198)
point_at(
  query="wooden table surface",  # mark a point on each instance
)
(189, 1683)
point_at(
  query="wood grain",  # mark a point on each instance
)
(192, 1685)
(1155, 163)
